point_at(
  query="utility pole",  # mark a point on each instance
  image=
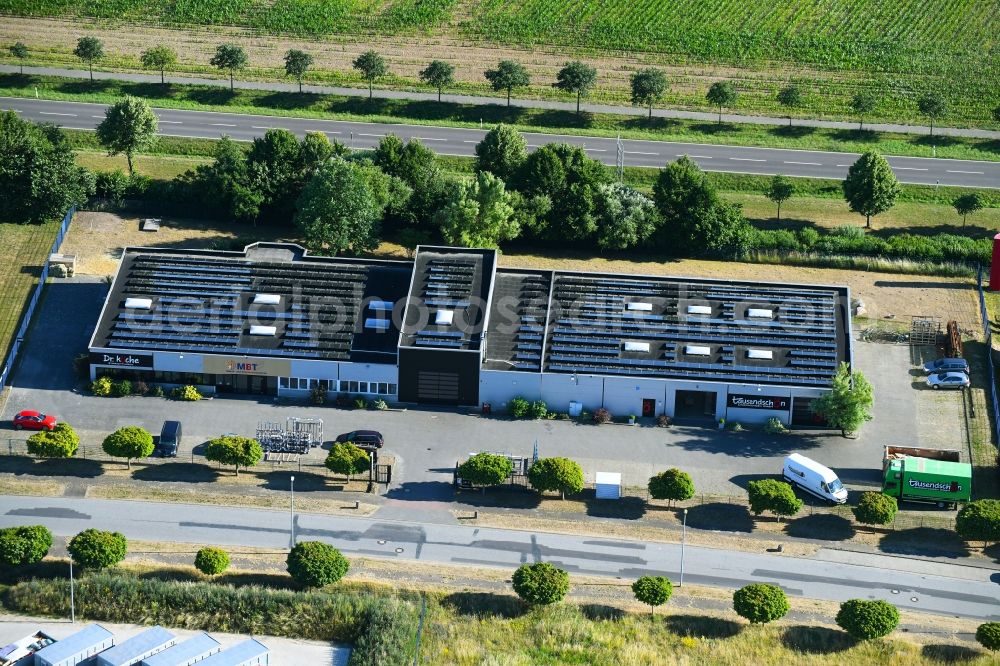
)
(620, 160)
(291, 510)
(72, 594)
(683, 541)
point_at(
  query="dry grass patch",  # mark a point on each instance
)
(154, 166)
(14, 486)
(23, 250)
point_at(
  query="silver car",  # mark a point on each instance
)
(957, 380)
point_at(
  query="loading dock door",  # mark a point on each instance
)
(803, 416)
(695, 405)
(440, 387)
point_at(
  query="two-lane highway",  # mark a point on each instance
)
(928, 587)
(462, 141)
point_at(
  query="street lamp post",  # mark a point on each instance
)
(72, 595)
(684, 525)
(291, 510)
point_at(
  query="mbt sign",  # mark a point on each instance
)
(772, 402)
(259, 367)
(122, 360)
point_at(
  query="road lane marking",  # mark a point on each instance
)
(697, 157)
(844, 165)
(746, 159)
(222, 125)
(168, 122)
(804, 163)
(331, 132)
(429, 138)
(363, 134)
(532, 145)
(636, 152)
(595, 150)
(468, 141)
(909, 168)
(978, 173)
(53, 113)
(259, 127)
(103, 117)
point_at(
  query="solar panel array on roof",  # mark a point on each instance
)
(670, 328)
(445, 285)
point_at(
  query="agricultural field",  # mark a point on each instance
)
(23, 250)
(831, 48)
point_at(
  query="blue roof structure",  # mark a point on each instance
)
(247, 653)
(192, 650)
(88, 641)
(142, 645)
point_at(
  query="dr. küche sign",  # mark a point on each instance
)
(772, 402)
(122, 360)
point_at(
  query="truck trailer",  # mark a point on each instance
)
(935, 476)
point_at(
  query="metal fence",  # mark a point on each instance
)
(22, 330)
(988, 338)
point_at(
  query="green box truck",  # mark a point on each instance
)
(926, 475)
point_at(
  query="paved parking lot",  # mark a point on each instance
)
(427, 442)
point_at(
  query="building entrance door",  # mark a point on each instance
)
(648, 407)
(695, 405)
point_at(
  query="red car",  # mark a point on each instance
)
(31, 420)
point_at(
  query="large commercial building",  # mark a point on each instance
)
(452, 328)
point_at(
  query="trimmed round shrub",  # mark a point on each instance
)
(875, 509)
(486, 469)
(540, 583)
(61, 442)
(129, 442)
(760, 603)
(211, 561)
(347, 458)
(316, 564)
(519, 408)
(102, 387)
(96, 549)
(774, 496)
(24, 545)
(672, 484)
(979, 521)
(653, 591)
(234, 450)
(865, 620)
(988, 635)
(560, 474)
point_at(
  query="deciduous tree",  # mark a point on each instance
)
(97, 549)
(988, 635)
(234, 450)
(347, 458)
(19, 50)
(230, 58)
(338, 211)
(26, 544)
(89, 50)
(653, 591)
(507, 76)
(501, 152)
(478, 213)
(540, 584)
(933, 105)
(297, 63)
(129, 126)
(866, 620)
(871, 187)
(648, 87)
(61, 442)
(372, 67)
(438, 74)
(875, 509)
(760, 603)
(979, 521)
(774, 496)
(967, 204)
(863, 103)
(316, 564)
(159, 57)
(486, 469)
(722, 94)
(576, 78)
(849, 403)
(129, 442)
(790, 97)
(560, 474)
(626, 218)
(673, 485)
(779, 190)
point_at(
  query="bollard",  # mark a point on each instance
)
(475, 515)
(357, 504)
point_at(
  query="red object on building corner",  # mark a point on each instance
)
(995, 265)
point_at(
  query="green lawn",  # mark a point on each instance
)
(161, 167)
(468, 115)
(24, 249)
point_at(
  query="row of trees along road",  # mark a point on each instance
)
(648, 86)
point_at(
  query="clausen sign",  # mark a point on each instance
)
(772, 402)
(262, 367)
(122, 360)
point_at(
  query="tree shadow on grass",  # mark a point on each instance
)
(485, 604)
(720, 516)
(647, 123)
(702, 626)
(77, 467)
(950, 654)
(362, 106)
(989, 145)
(149, 90)
(287, 100)
(512, 498)
(274, 581)
(16, 80)
(562, 118)
(792, 131)
(626, 508)
(936, 140)
(172, 575)
(177, 472)
(215, 96)
(84, 86)
(821, 526)
(816, 640)
(304, 481)
(855, 135)
(924, 541)
(44, 570)
(714, 129)
(599, 612)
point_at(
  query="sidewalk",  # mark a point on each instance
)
(524, 103)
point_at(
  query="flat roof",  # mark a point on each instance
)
(196, 647)
(237, 654)
(207, 302)
(142, 644)
(655, 326)
(83, 640)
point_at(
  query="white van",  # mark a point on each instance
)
(815, 479)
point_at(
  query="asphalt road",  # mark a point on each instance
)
(920, 586)
(461, 142)
(386, 93)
